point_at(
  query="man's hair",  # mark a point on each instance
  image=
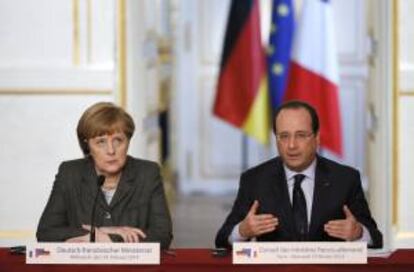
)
(100, 119)
(297, 104)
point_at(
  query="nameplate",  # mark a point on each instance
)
(93, 253)
(299, 253)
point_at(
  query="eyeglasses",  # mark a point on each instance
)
(300, 136)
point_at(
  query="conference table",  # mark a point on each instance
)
(202, 260)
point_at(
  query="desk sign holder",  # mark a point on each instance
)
(93, 253)
(300, 253)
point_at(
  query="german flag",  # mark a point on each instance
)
(242, 97)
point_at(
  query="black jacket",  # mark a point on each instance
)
(139, 201)
(335, 186)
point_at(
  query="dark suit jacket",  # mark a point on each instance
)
(335, 186)
(139, 201)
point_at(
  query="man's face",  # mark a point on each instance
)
(296, 142)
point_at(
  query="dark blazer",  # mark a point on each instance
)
(139, 201)
(335, 186)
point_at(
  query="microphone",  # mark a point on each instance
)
(99, 182)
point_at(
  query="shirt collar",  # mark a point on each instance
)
(308, 172)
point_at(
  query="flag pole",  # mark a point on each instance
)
(245, 153)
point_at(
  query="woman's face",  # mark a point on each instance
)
(109, 152)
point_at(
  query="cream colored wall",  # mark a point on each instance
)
(406, 42)
(391, 106)
(56, 58)
(380, 115)
(404, 91)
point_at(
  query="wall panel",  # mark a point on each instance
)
(56, 58)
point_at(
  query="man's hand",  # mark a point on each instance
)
(254, 225)
(348, 229)
(128, 234)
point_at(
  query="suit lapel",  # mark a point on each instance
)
(90, 184)
(125, 187)
(123, 190)
(128, 183)
(320, 196)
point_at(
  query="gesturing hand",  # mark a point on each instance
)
(256, 224)
(348, 229)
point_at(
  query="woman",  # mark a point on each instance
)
(131, 205)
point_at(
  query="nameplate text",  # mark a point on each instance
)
(299, 253)
(93, 253)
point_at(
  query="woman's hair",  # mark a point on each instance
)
(100, 119)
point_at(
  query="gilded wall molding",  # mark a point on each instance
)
(20, 234)
(395, 111)
(75, 33)
(57, 91)
(121, 41)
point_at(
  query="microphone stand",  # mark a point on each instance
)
(99, 182)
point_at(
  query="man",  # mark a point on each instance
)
(299, 196)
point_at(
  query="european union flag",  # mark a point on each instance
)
(279, 50)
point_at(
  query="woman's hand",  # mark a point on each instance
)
(128, 234)
(100, 237)
(78, 239)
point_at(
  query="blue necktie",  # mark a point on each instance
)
(299, 209)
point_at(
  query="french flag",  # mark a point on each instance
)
(313, 70)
